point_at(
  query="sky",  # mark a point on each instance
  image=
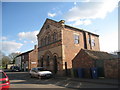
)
(22, 21)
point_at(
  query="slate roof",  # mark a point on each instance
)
(78, 29)
(67, 26)
(24, 53)
(98, 55)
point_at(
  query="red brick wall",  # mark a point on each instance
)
(33, 57)
(70, 50)
(82, 60)
(111, 68)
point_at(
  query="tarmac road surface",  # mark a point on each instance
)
(23, 80)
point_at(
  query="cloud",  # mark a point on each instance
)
(81, 22)
(3, 38)
(109, 41)
(10, 46)
(75, 3)
(90, 9)
(28, 36)
(51, 14)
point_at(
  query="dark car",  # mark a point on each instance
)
(4, 81)
(15, 68)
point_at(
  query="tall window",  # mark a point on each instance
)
(42, 62)
(46, 40)
(54, 36)
(55, 65)
(48, 63)
(23, 57)
(93, 42)
(76, 39)
(48, 26)
(49, 39)
(41, 42)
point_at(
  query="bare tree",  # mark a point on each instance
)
(5, 60)
(12, 56)
(1, 56)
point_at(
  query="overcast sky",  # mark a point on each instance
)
(21, 21)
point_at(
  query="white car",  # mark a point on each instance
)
(40, 72)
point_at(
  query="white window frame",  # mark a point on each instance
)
(76, 39)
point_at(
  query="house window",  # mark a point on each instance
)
(93, 42)
(76, 39)
(22, 57)
(89, 40)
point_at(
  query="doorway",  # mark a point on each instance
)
(55, 68)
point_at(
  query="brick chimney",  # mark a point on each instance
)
(35, 46)
(62, 22)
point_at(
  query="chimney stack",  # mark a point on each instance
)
(35, 46)
(62, 22)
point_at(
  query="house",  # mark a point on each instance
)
(105, 63)
(28, 60)
(18, 61)
(58, 44)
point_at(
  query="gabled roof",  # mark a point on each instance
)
(24, 53)
(45, 23)
(66, 26)
(98, 55)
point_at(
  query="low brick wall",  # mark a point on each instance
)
(111, 68)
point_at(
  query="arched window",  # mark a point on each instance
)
(49, 39)
(54, 36)
(48, 62)
(46, 40)
(42, 62)
(41, 44)
(43, 41)
(55, 64)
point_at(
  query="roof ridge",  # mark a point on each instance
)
(95, 51)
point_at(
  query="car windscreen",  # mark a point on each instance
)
(16, 67)
(2, 75)
(41, 69)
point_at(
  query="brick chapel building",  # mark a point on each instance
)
(58, 44)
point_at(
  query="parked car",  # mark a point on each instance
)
(4, 81)
(15, 68)
(40, 72)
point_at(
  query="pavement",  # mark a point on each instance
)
(97, 81)
(69, 82)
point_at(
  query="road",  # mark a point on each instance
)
(23, 80)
